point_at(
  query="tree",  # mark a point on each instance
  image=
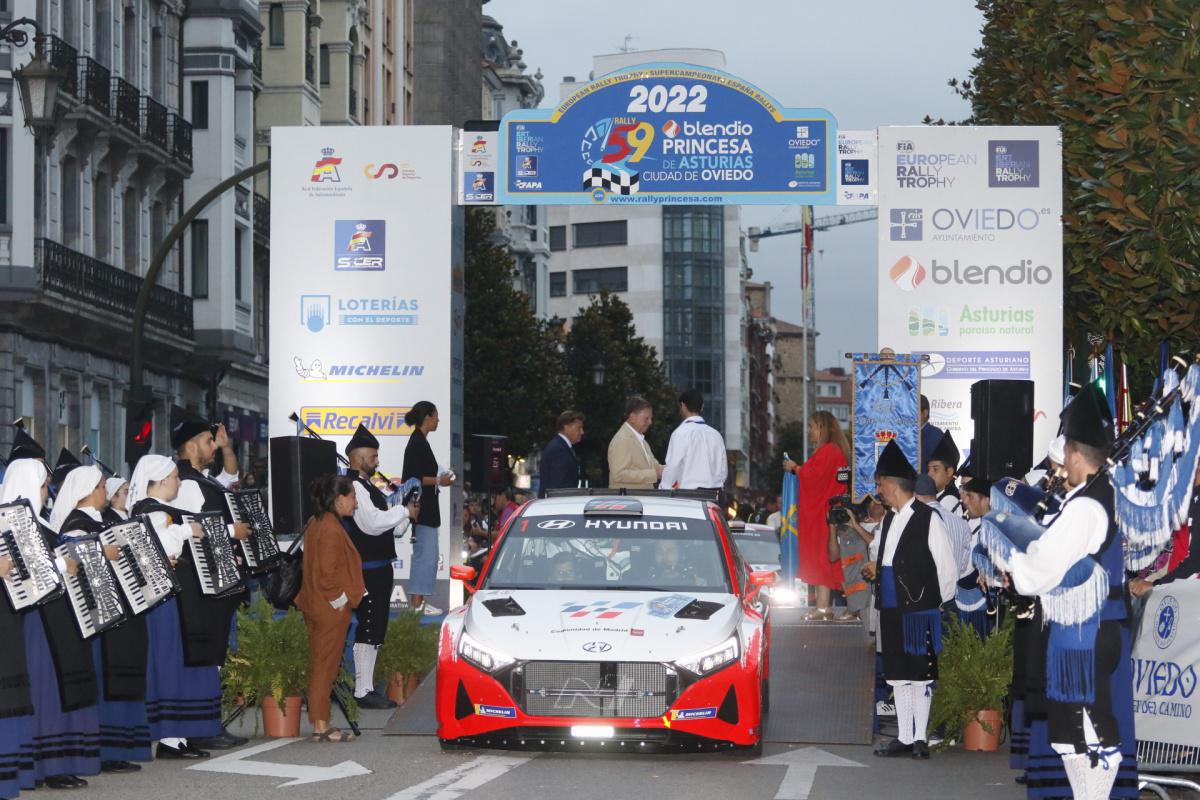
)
(789, 438)
(513, 379)
(1121, 79)
(604, 335)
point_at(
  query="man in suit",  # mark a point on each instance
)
(560, 467)
(631, 464)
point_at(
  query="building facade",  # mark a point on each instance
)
(789, 372)
(446, 75)
(679, 268)
(523, 230)
(759, 383)
(835, 395)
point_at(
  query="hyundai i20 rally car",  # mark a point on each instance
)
(615, 622)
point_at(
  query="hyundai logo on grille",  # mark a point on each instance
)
(597, 647)
(557, 524)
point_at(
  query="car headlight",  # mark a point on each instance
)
(485, 658)
(713, 658)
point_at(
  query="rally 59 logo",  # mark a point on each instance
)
(609, 147)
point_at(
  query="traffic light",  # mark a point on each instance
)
(139, 429)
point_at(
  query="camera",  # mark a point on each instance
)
(841, 507)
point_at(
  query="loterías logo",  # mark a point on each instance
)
(907, 273)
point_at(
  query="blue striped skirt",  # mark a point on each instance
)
(63, 742)
(124, 728)
(181, 701)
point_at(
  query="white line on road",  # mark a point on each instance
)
(236, 763)
(452, 783)
(802, 767)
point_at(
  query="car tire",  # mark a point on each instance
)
(449, 745)
(765, 704)
(756, 750)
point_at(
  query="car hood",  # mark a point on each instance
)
(599, 625)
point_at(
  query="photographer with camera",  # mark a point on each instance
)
(849, 541)
(818, 482)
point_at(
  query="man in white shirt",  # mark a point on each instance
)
(631, 464)
(915, 574)
(696, 457)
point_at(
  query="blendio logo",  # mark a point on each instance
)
(1023, 273)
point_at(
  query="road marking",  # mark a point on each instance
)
(466, 777)
(801, 769)
(237, 763)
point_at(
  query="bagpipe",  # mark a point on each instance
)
(1152, 467)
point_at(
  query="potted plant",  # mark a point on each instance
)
(409, 651)
(974, 676)
(268, 670)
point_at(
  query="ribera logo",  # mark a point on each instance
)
(907, 273)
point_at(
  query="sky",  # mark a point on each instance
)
(869, 62)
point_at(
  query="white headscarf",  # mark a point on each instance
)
(149, 468)
(23, 480)
(79, 483)
(1057, 451)
(112, 486)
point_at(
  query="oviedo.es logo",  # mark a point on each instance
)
(908, 273)
(359, 245)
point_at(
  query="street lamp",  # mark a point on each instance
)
(37, 81)
(598, 372)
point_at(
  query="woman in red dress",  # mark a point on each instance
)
(819, 483)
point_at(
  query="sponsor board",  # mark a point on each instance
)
(315, 371)
(977, 365)
(344, 420)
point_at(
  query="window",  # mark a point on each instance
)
(558, 284)
(200, 105)
(558, 237)
(593, 281)
(600, 234)
(200, 259)
(3, 176)
(275, 25)
(130, 233)
(237, 262)
(70, 202)
(102, 203)
(325, 65)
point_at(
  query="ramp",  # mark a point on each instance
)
(822, 682)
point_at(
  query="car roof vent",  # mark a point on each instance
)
(613, 507)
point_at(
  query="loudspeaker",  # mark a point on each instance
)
(489, 462)
(1003, 414)
(295, 462)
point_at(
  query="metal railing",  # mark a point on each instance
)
(95, 84)
(154, 122)
(181, 138)
(104, 287)
(125, 106)
(262, 215)
(64, 57)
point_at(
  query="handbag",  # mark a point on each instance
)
(281, 585)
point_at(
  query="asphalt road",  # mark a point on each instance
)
(415, 768)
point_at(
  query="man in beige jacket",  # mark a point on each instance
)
(631, 464)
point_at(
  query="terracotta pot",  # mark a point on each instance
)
(400, 689)
(976, 737)
(278, 725)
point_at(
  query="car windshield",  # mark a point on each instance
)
(642, 554)
(757, 551)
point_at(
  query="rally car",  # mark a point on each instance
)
(760, 549)
(608, 622)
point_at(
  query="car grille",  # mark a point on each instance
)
(595, 689)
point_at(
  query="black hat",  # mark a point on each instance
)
(978, 486)
(362, 438)
(24, 446)
(66, 462)
(1087, 418)
(946, 451)
(892, 463)
(185, 425)
(965, 471)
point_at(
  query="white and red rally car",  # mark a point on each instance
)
(616, 622)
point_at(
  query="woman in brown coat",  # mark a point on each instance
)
(332, 585)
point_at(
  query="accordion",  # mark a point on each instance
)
(143, 570)
(215, 562)
(34, 578)
(261, 550)
(92, 590)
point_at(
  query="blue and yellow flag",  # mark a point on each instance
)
(789, 543)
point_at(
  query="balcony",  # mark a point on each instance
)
(65, 58)
(262, 216)
(154, 122)
(95, 84)
(309, 68)
(126, 109)
(104, 287)
(257, 63)
(181, 138)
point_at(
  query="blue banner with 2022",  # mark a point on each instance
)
(668, 134)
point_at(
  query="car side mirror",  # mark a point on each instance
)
(763, 578)
(461, 572)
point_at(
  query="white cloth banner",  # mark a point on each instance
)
(366, 293)
(970, 264)
(1166, 659)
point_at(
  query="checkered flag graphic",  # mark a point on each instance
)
(615, 182)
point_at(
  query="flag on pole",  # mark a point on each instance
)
(789, 541)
